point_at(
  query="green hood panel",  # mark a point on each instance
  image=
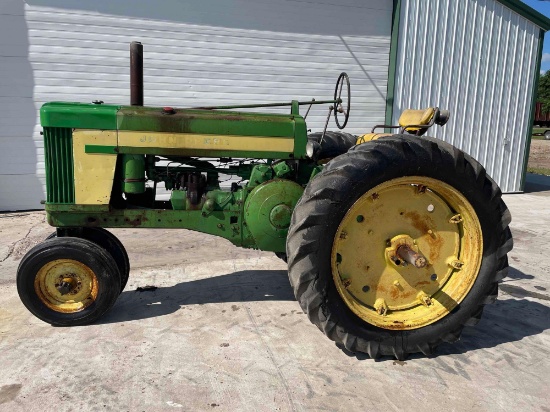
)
(151, 119)
(215, 122)
(79, 115)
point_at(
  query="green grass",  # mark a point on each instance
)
(539, 130)
(539, 170)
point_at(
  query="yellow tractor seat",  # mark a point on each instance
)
(415, 122)
(416, 118)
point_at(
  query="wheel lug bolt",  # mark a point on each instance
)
(381, 307)
(424, 299)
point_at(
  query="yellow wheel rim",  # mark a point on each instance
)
(432, 219)
(80, 284)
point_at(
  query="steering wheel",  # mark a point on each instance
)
(343, 105)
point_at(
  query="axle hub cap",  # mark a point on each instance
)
(66, 285)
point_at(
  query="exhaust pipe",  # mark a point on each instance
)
(136, 73)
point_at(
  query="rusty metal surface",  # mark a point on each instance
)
(136, 74)
(410, 256)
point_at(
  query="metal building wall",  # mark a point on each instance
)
(477, 59)
(195, 53)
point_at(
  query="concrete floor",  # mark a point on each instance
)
(223, 333)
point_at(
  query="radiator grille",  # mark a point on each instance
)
(58, 150)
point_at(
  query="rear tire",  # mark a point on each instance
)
(92, 272)
(334, 144)
(332, 193)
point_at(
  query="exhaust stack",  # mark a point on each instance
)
(136, 73)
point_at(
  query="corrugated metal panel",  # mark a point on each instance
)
(477, 59)
(196, 53)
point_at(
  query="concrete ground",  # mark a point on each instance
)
(223, 333)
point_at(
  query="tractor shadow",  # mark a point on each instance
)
(507, 320)
(243, 286)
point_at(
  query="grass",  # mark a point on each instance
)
(539, 170)
(539, 130)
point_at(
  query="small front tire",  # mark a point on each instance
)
(68, 281)
(109, 242)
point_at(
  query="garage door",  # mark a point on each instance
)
(196, 53)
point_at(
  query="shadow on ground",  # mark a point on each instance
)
(244, 286)
(507, 320)
(536, 183)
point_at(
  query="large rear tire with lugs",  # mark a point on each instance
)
(397, 245)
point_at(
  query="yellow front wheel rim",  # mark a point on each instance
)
(433, 220)
(81, 285)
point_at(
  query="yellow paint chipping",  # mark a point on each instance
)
(93, 173)
(204, 141)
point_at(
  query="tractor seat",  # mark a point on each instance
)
(416, 118)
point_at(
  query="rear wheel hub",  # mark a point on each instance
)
(407, 253)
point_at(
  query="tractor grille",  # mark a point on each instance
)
(58, 150)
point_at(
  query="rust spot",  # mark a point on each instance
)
(423, 224)
(362, 266)
(137, 221)
(375, 196)
(406, 295)
(394, 293)
(421, 283)
(395, 326)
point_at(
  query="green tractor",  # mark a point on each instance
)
(394, 242)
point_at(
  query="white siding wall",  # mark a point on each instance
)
(477, 59)
(195, 53)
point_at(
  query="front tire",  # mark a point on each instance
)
(360, 208)
(109, 242)
(68, 281)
